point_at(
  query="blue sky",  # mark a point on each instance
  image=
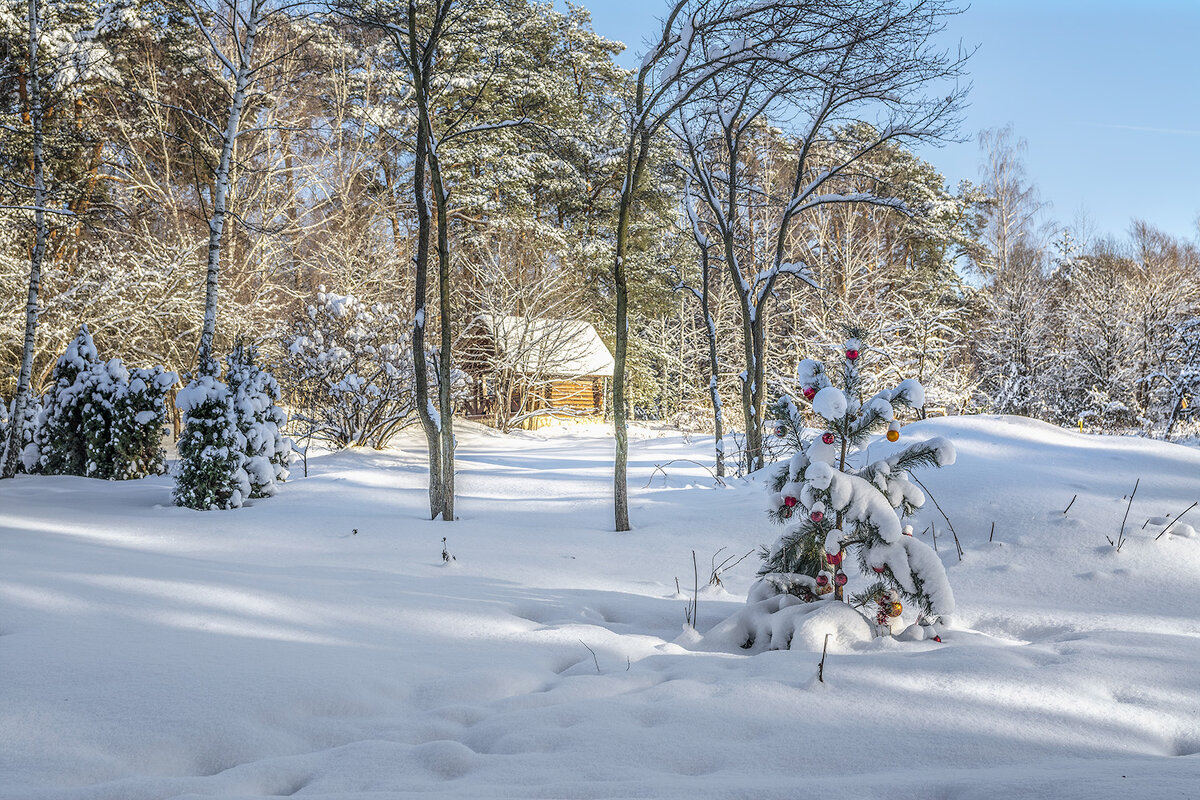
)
(1106, 93)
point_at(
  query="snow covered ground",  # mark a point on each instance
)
(148, 651)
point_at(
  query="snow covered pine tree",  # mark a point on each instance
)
(60, 439)
(138, 419)
(101, 420)
(212, 450)
(834, 510)
(260, 421)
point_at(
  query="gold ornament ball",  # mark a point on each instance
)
(893, 435)
(894, 609)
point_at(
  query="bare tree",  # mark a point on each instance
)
(1014, 208)
(704, 296)
(699, 41)
(11, 452)
(842, 65)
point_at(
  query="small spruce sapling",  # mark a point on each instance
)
(100, 389)
(260, 421)
(29, 457)
(61, 439)
(210, 473)
(139, 417)
(835, 511)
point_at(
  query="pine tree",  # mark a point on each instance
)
(137, 423)
(61, 440)
(834, 510)
(260, 421)
(210, 473)
(100, 389)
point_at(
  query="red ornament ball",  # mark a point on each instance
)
(878, 570)
(827, 437)
(789, 501)
(851, 355)
(840, 579)
(809, 392)
(834, 558)
(816, 516)
(822, 579)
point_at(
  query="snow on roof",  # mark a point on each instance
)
(559, 347)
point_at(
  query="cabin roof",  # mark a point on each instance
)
(550, 347)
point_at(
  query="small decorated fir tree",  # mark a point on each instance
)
(260, 421)
(839, 507)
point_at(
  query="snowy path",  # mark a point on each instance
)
(148, 651)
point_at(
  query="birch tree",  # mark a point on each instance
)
(12, 450)
(231, 29)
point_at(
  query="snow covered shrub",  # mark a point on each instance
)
(348, 371)
(100, 388)
(29, 457)
(138, 419)
(210, 473)
(100, 419)
(835, 511)
(259, 419)
(60, 440)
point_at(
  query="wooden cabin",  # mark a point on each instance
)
(528, 371)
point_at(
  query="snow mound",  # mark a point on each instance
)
(784, 622)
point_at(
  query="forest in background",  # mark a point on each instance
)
(971, 289)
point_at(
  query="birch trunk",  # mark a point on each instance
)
(206, 363)
(16, 424)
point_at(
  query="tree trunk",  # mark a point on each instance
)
(635, 160)
(445, 362)
(425, 411)
(710, 328)
(21, 401)
(206, 364)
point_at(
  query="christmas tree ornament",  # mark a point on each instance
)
(827, 437)
(817, 516)
(823, 579)
(851, 355)
(809, 393)
(879, 570)
(780, 430)
(789, 501)
(834, 558)
(840, 579)
(894, 609)
(893, 432)
(785, 512)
